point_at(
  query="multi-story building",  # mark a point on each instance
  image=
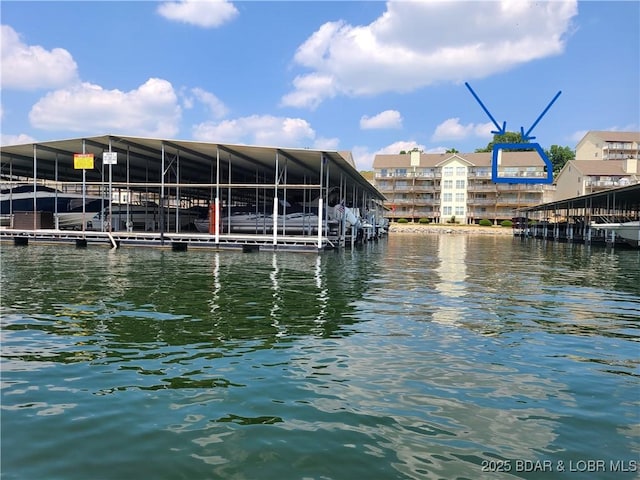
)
(458, 187)
(603, 160)
(582, 177)
(597, 145)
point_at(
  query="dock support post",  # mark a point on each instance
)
(20, 241)
(179, 246)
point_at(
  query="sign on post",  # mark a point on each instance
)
(110, 158)
(83, 161)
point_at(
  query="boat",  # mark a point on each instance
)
(66, 207)
(145, 216)
(301, 221)
(296, 223)
(629, 231)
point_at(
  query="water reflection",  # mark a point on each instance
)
(417, 357)
(452, 275)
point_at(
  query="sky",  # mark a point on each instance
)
(367, 77)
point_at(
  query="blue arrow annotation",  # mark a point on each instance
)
(525, 136)
(499, 147)
(500, 131)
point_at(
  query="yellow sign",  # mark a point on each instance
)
(83, 161)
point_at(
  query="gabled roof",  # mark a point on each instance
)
(453, 157)
(606, 168)
(479, 159)
(613, 136)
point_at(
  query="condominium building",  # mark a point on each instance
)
(597, 145)
(582, 177)
(456, 187)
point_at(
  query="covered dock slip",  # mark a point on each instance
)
(609, 217)
(120, 190)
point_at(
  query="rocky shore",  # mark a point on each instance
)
(417, 228)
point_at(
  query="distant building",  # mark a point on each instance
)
(458, 187)
(603, 160)
(582, 177)
(597, 145)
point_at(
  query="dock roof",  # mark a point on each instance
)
(622, 198)
(140, 160)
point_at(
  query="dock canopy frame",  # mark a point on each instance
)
(184, 173)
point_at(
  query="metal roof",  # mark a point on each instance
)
(620, 199)
(140, 160)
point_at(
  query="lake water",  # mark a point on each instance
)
(416, 357)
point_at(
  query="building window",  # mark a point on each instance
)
(447, 197)
(447, 171)
(460, 171)
(460, 211)
(460, 184)
(401, 172)
(446, 210)
(459, 197)
(447, 185)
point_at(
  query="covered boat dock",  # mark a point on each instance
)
(191, 194)
(583, 219)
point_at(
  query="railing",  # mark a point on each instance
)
(481, 188)
(481, 201)
(479, 174)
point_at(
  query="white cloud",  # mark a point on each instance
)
(213, 104)
(579, 135)
(201, 13)
(310, 91)
(415, 44)
(364, 157)
(451, 129)
(258, 130)
(28, 67)
(386, 119)
(397, 147)
(326, 144)
(16, 139)
(150, 110)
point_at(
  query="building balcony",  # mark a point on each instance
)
(481, 201)
(471, 187)
(425, 188)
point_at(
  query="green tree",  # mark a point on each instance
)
(452, 150)
(559, 156)
(414, 149)
(508, 137)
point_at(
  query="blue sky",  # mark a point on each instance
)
(368, 77)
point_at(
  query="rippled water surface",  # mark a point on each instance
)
(415, 357)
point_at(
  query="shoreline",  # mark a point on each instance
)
(439, 229)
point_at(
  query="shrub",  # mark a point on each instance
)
(423, 220)
(506, 223)
(403, 220)
(485, 222)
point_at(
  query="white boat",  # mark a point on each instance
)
(296, 223)
(629, 231)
